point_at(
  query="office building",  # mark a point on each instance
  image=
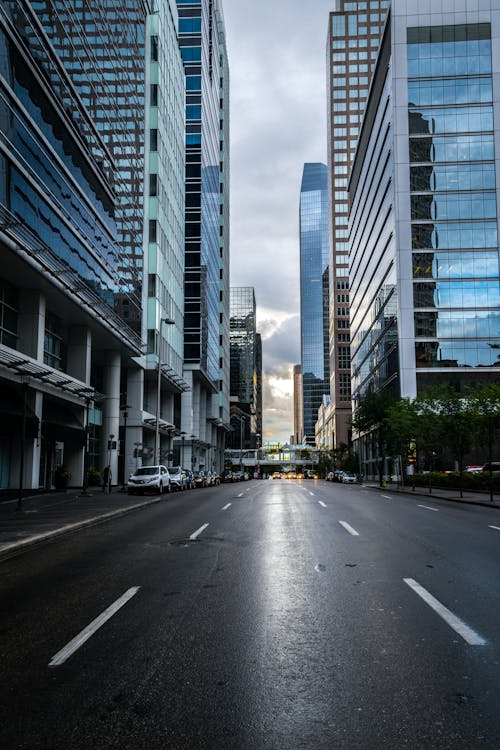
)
(132, 86)
(246, 359)
(424, 264)
(63, 346)
(314, 294)
(352, 44)
(205, 407)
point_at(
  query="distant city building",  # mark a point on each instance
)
(246, 370)
(298, 429)
(324, 426)
(314, 294)
(353, 39)
(205, 407)
(424, 262)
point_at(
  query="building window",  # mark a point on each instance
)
(9, 306)
(53, 346)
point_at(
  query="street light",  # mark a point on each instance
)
(169, 322)
(125, 416)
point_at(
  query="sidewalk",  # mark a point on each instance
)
(469, 497)
(50, 515)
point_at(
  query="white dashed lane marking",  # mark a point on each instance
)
(349, 528)
(199, 531)
(226, 506)
(323, 505)
(469, 635)
(89, 631)
(427, 507)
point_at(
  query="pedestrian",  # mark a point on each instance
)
(106, 479)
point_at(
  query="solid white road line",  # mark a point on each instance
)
(348, 528)
(386, 497)
(324, 505)
(469, 635)
(427, 507)
(226, 506)
(495, 527)
(89, 631)
(198, 532)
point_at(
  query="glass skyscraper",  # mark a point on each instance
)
(314, 293)
(424, 253)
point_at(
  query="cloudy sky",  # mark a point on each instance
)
(277, 57)
(277, 52)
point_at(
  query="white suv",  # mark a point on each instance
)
(146, 478)
(177, 478)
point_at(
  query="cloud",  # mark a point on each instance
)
(277, 58)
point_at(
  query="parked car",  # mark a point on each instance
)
(199, 479)
(228, 476)
(177, 478)
(348, 478)
(147, 478)
(277, 475)
(213, 479)
(239, 476)
(493, 466)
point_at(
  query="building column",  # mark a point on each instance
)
(134, 436)
(31, 323)
(79, 353)
(111, 412)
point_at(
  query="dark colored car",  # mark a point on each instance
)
(199, 479)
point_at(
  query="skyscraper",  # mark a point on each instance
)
(297, 405)
(353, 39)
(314, 293)
(424, 227)
(246, 355)
(205, 408)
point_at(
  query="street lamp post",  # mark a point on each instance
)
(169, 322)
(124, 409)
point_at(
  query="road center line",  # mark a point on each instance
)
(323, 505)
(427, 507)
(495, 527)
(226, 506)
(469, 635)
(198, 532)
(348, 528)
(89, 631)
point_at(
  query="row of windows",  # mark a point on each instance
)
(440, 177)
(449, 294)
(452, 265)
(455, 236)
(447, 324)
(451, 120)
(453, 354)
(443, 206)
(444, 148)
(449, 59)
(441, 91)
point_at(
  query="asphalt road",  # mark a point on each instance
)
(304, 615)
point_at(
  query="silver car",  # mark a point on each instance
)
(149, 478)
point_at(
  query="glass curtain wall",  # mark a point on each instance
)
(453, 199)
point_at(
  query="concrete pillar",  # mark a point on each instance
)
(134, 437)
(111, 412)
(79, 353)
(203, 415)
(33, 446)
(31, 323)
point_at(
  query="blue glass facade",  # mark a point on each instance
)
(314, 293)
(50, 176)
(102, 48)
(453, 198)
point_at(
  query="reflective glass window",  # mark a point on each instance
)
(457, 294)
(451, 120)
(449, 265)
(454, 235)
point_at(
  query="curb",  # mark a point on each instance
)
(462, 501)
(11, 549)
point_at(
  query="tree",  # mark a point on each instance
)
(485, 407)
(372, 416)
(402, 427)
